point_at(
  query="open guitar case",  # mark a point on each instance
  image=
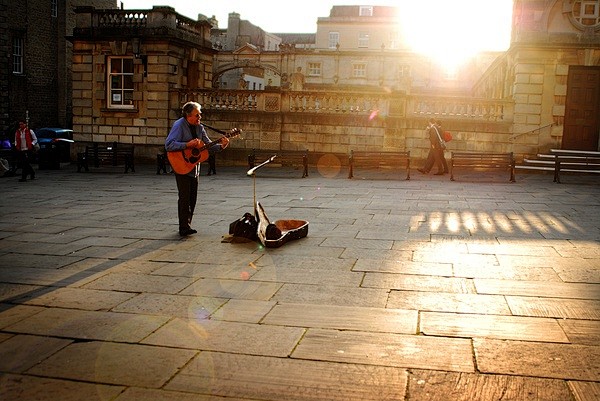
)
(275, 234)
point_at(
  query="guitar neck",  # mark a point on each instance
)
(212, 143)
(216, 141)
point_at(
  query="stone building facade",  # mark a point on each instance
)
(552, 74)
(518, 101)
(128, 70)
(35, 80)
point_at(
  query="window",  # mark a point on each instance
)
(17, 52)
(54, 8)
(404, 71)
(120, 78)
(450, 74)
(334, 39)
(359, 70)
(365, 11)
(363, 39)
(394, 40)
(314, 69)
(586, 13)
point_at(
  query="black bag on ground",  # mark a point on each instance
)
(246, 227)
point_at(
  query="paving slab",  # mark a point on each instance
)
(402, 266)
(331, 295)
(74, 298)
(130, 282)
(137, 394)
(534, 359)
(538, 289)
(585, 391)
(81, 324)
(423, 283)
(236, 289)
(263, 378)
(344, 318)
(11, 314)
(243, 310)
(387, 349)
(233, 337)
(183, 306)
(555, 307)
(448, 302)
(21, 352)
(15, 387)
(428, 385)
(115, 363)
(491, 326)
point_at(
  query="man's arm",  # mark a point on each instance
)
(176, 139)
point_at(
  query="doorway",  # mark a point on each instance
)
(582, 110)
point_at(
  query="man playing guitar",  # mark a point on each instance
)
(188, 134)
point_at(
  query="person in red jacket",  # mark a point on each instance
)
(25, 141)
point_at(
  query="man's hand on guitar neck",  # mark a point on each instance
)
(197, 143)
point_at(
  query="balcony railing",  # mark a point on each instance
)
(157, 17)
(461, 108)
(358, 103)
(122, 18)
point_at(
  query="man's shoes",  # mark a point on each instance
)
(189, 231)
(422, 171)
(23, 180)
(439, 173)
(209, 173)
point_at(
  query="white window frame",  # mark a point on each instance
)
(314, 69)
(120, 84)
(18, 55)
(394, 40)
(365, 11)
(334, 39)
(585, 14)
(403, 71)
(359, 70)
(451, 74)
(363, 39)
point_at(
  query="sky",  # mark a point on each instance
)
(462, 27)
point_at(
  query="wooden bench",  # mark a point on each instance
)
(162, 163)
(112, 154)
(483, 161)
(378, 160)
(285, 158)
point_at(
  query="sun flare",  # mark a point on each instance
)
(451, 32)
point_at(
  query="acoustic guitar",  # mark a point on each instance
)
(183, 161)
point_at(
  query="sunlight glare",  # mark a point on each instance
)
(451, 32)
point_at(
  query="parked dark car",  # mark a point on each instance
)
(55, 146)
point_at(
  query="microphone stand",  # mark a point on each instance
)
(252, 172)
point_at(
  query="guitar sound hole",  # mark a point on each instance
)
(195, 152)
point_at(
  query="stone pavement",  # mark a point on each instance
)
(415, 290)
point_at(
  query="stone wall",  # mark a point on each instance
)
(338, 134)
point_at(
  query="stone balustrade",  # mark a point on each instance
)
(121, 18)
(359, 103)
(157, 17)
